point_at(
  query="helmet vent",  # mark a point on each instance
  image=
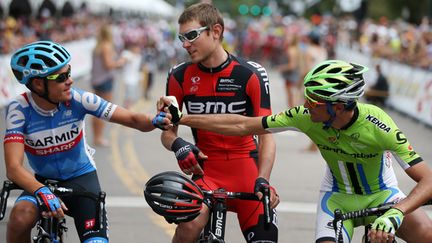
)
(43, 49)
(19, 52)
(320, 68)
(334, 70)
(61, 51)
(47, 61)
(23, 61)
(36, 66)
(312, 83)
(59, 57)
(323, 92)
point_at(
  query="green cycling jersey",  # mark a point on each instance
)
(359, 155)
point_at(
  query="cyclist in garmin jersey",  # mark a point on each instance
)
(357, 141)
(217, 82)
(47, 124)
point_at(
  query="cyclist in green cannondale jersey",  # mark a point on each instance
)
(356, 140)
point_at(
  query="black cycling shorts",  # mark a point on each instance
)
(81, 209)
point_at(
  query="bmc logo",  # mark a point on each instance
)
(263, 73)
(216, 107)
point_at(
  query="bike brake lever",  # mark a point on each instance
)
(266, 203)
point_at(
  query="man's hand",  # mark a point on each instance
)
(260, 184)
(49, 204)
(162, 121)
(385, 227)
(169, 104)
(188, 156)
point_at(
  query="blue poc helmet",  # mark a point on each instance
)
(38, 59)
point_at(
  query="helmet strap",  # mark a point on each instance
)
(332, 113)
(350, 105)
(45, 94)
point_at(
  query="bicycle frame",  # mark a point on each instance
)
(214, 231)
(51, 229)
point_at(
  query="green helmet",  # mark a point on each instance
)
(335, 81)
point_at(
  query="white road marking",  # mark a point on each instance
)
(139, 202)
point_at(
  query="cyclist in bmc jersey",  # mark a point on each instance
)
(357, 141)
(218, 82)
(47, 124)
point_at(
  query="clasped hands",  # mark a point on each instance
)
(167, 107)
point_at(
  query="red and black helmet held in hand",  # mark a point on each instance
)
(174, 196)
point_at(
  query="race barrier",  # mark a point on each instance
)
(410, 88)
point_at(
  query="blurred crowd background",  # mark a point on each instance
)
(260, 30)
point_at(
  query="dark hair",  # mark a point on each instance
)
(206, 14)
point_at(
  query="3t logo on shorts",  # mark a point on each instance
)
(89, 224)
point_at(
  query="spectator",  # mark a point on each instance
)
(379, 92)
(102, 75)
(131, 72)
(290, 69)
(149, 57)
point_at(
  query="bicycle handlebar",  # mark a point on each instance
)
(339, 217)
(99, 199)
(222, 194)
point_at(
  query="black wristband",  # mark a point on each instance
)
(178, 143)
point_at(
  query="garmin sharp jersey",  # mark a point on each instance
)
(54, 140)
(236, 86)
(358, 157)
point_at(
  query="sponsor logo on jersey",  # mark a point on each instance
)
(193, 89)
(355, 136)
(45, 143)
(54, 139)
(341, 151)
(381, 125)
(400, 137)
(67, 114)
(289, 113)
(14, 117)
(227, 85)
(195, 80)
(263, 74)
(357, 145)
(332, 139)
(89, 100)
(216, 107)
(13, 138)
(107, 113)
(226, 80)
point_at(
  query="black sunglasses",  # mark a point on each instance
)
(192, 35)
(60, 77)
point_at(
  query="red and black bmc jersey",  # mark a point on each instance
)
(236, 86)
